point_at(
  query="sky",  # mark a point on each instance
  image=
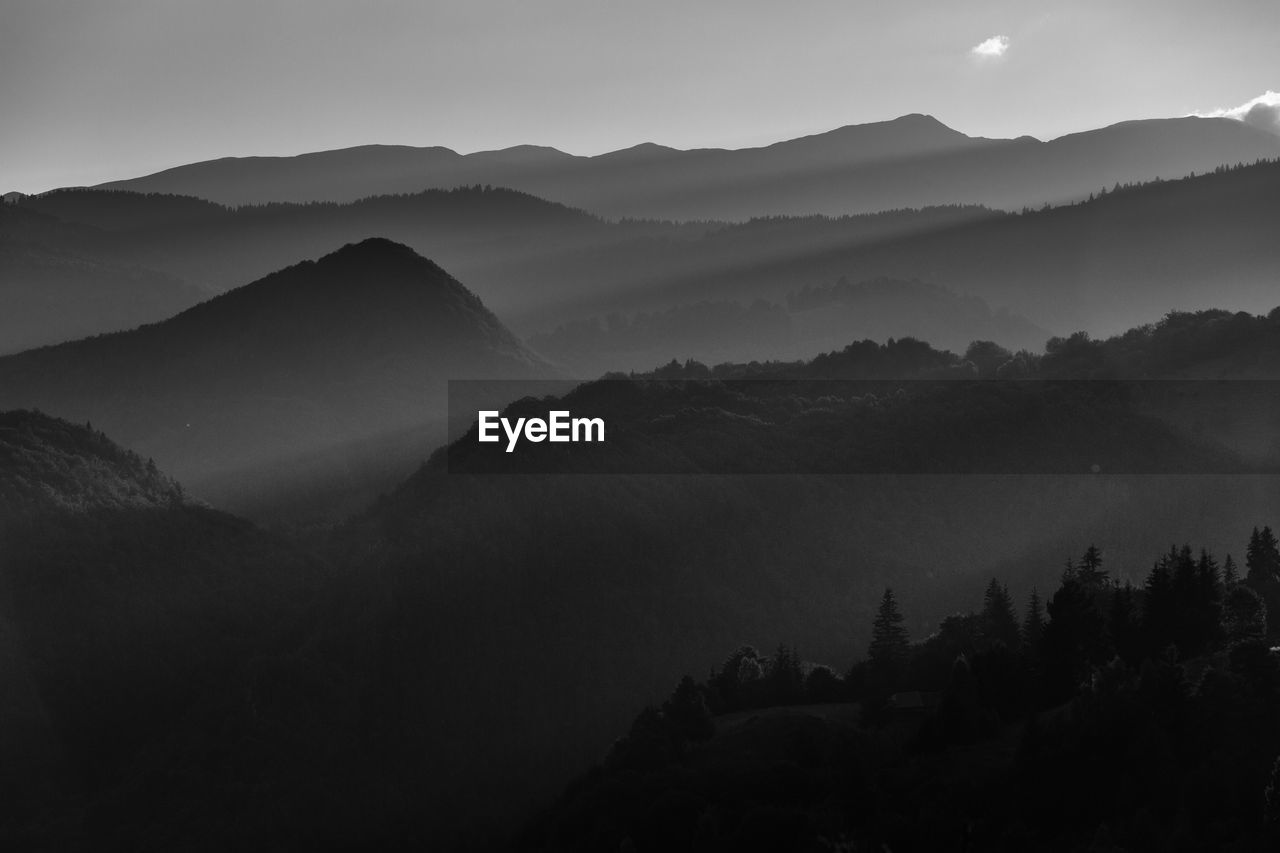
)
(96, 90)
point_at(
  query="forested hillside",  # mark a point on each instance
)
(1103, 715)
(122, 607)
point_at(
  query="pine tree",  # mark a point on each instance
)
(999, 621)
(1262, 557)
(1159, 606)
(727, 684)
(1206, 605)
(1090, 572)
(688, 713)
(786, 677)
(889, 640)
(1230, 575)
(1033, 625)
(1122, 624)
(1074, 639)
(1244, 617)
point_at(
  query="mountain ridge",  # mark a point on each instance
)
(300, 375)
(910, 161)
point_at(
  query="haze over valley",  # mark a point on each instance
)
(933, 353)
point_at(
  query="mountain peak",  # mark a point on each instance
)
(371, 288)
(375, 247)
(921, 119)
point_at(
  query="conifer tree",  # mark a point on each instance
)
(1033, 625)
(1230, 575)
(1244, 617)
(1262, 557)
(786, 677)
(688, 713)
(999, 621)
(1122, 625)
(1090, 572)
(889, 639)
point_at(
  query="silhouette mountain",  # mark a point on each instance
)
(121, 604)
(517, 622)
(1099, 265)
(911, 161)
(651, 571)
(292, 377)
(527, 258)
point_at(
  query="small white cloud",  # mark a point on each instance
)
(1261, 112)
(992, 47)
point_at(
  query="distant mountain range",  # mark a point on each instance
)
(1101, 265)
(912, 161)
(328, 371)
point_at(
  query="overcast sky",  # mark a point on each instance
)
(103, 89)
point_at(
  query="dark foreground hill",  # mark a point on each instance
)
(620, 576)
(911, 161)
(122, 607)
(1131, 716)
(492, 634)
(519, 613)
(329, 371)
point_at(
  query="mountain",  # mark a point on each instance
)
(526, 257)
(609, 580)
(493, 233)
(57, 283)
(911, 161)
(51, 465)
(320, 366)
(122, 605)
(1100, 265)
(481, 639)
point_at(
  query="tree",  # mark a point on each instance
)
(1074, 639)
(999, 621)
(648, 746)
(987, 356)
(785, 677)
(823, 685)
(890, 642)
(1033, 625)
(1206, 603)
(1123, 626)
(1230, 574)
(1090, 572)
(727, 684)
(1159, 611)
(688, 713)
(1262, 558)
(1244, 616)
